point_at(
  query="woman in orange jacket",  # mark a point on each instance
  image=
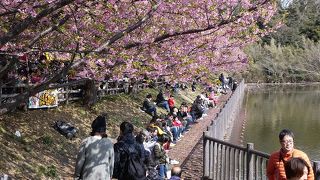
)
(275, 168)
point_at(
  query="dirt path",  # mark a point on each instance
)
(188, 151)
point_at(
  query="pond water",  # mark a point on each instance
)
(272, 109)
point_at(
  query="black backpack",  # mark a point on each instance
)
(133, 167)
(65, 129)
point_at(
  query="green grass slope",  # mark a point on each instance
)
(42, 153)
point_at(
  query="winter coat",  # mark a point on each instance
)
(160, 98)
(159, 154)
(275, 168)
(121, 156)
(95, 159)
(148, 104)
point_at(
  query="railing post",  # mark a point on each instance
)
(212, 160)
(67, 91)
(107, 88)
(205, 156)
(316, 170)
(249, 162)
(1, 91)
(126, 87)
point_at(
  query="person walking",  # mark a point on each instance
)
(223, 81)
(128, 161)
(96, 156)
(275, 168)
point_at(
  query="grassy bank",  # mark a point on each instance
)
(42, 153)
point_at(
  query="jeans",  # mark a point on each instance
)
(162, 171)
(165, 105)
(189, 120)
(195, 115)
(180, 130)
(175, 133)
(152, 111)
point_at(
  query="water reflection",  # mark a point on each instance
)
(295, 107)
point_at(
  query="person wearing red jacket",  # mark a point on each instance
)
(171, 102)
(177, 123)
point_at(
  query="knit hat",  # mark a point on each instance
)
(99, 125)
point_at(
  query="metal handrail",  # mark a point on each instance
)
(224, 160)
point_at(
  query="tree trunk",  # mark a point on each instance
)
(90, 92)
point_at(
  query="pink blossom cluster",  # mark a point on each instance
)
(177, 38)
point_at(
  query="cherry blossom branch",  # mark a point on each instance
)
(128, 30)
(194, 31)
(49, 30)
(20, 27)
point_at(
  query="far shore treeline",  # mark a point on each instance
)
(292, 52)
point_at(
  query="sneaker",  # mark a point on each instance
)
(172, 144)
(141, 110)
(174, 162)
(204, 115)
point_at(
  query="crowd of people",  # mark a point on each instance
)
(208, 98)
(32, 68)
(144, 155)
(130, 158)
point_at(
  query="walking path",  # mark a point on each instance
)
(189, 147)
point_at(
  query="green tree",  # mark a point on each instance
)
(300, 19)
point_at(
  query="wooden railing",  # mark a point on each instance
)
(73, 90)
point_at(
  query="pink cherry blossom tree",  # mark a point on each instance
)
(99, 39)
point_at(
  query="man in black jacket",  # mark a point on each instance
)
(128, 162)
(162, 102)
(149, 106)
